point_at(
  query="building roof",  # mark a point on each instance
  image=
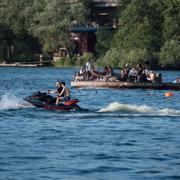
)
(77, 29)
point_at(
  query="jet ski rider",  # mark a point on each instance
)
(58, 91)
(64, 95)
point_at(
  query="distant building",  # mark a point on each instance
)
(84, 38)
(103, 12)
(102, 15)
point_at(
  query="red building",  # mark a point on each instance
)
(102, 15)
(84, 38)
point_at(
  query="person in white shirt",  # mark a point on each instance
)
(88, 66)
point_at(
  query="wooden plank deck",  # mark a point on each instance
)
(128, 85)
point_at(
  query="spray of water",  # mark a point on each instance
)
(9, 101)
(118, 107)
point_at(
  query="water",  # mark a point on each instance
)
(127, 134)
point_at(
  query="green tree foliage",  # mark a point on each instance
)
(170, 51)
(15, 24)
(64, 62)
(52, 20)
(39, 23)
(135, 37)
(170, 55)
(103, 37)
(171, 23)
(145, 32)
(13, 14)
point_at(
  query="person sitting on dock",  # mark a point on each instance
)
(139, 70)
(177, 80)
(151, 76)
(105, 71)
(132, 76)
(66, 92)
(110, 71)
(124, 73)
(95, 75)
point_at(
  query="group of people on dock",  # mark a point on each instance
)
(140, 72)
(88, 72)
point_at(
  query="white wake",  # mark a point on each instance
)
(9, 101)
(128, 108)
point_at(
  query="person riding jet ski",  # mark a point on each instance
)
(63, 93)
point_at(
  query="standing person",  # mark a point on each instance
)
(66, 92)
(88, 68)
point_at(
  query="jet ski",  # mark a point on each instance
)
(46, 101)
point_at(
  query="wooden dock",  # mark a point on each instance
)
(128, 85)
(19, 65)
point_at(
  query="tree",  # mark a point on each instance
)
(104, 37)
(171, 24)
(170, 55)
(52, 21)
(15, 24)
(139, 31)
(170, 51)
(134, 32)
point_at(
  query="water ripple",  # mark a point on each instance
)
(126, 134)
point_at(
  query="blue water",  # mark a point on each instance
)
(127, 134)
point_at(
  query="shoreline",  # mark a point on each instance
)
(41, 65)
(19, 65)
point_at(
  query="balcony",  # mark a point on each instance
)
(106, 3)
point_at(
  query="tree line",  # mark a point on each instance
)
(34, 26)
(147, 30)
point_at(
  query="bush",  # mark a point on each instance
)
(112, 57)
(24, 58)
(117, 58)
(64, 62)
(104, 37)
(134, 56)
(170, 55)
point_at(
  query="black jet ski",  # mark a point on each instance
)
(46, 101)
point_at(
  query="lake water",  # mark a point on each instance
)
(127, 134)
